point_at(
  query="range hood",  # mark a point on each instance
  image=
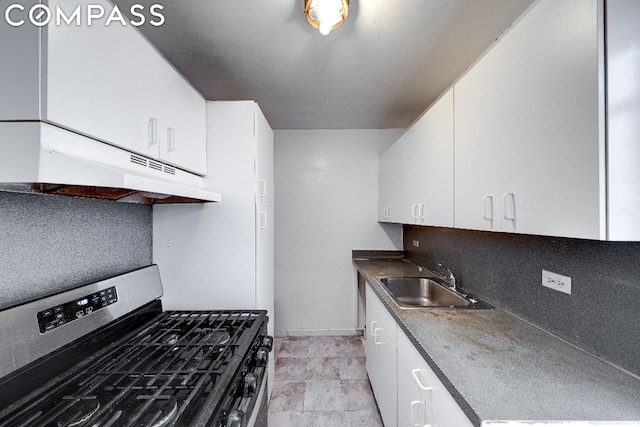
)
(37, 157)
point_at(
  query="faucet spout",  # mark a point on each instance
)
(452, 277)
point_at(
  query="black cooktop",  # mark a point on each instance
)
(150, 368)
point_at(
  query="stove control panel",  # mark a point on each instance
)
(62, 314)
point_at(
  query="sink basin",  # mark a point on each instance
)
(427, 292)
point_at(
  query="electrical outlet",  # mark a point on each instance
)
(556, 281)
(416, 243)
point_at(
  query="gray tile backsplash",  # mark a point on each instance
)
(52, 243)
(602, 314)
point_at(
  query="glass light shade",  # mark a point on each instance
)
(326, 15)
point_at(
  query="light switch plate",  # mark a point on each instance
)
(416, 243)
(556, 281)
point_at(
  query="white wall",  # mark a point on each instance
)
(326, 202)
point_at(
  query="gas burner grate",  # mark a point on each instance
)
(150, 378)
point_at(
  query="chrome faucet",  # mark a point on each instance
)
(452, 278)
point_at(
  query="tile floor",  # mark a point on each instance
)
(322, 382)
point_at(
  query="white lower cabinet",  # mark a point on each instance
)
(435, 405)
(414, 403)
(381, 358)
(407, 391)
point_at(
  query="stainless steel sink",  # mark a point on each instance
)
(427, 292)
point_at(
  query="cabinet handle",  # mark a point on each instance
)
(375, 336)
(414, 211)
(421, 210)
(413, 418)
(152, 131)
(171, 140)
(417, 379)
(487, 214)
(373, 331)
(262, 188)
(512, 197)
(389, 213)
(263, 219)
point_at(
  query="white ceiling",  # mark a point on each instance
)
(381, 69)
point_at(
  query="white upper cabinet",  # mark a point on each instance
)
(623, 124)
(183, 124)
(105, 82)
(434, 166)
(385, 186)
(406, 153)
(529, 128)
(416, 172)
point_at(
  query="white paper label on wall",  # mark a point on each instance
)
(556, 281)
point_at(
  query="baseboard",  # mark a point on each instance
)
(322, 332)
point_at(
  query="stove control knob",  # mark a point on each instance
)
(249, 385)
(235, 418)
(267, 342)
(262, 356)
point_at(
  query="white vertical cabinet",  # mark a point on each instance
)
(528, 129)
(106, 82)
(220, 256)
(416, 172)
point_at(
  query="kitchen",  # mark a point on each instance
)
(317, 174)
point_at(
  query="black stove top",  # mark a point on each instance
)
(147, 368)
(172, 368)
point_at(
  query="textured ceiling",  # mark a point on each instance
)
(381, 69)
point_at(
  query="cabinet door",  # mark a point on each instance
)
(414, 406)
(623, 132)
(184, 122)
(381, 361)
(98, 82)
(405, 167)
(432, 180)
(265, 208)
(441, 409)
(528, 129)
(109, 83)
(416, 173)
(385, 188)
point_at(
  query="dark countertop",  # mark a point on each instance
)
(501, 368)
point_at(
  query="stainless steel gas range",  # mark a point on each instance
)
(106, 354)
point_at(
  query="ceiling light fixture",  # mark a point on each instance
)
(326, 15)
